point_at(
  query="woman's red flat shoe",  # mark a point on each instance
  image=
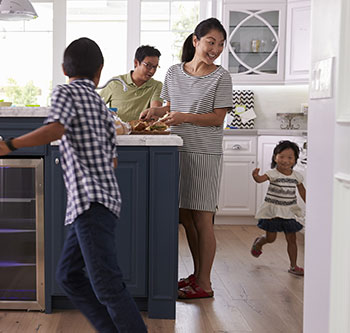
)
(186, 281)
(193, 291)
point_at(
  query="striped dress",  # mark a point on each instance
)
(201, 153)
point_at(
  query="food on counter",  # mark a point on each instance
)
(140, 126)
(121, 127)
(157, 126)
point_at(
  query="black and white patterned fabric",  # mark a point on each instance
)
(242, 97)
(198, 95)
(87, 147)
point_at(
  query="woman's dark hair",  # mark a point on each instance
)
(83, 58)
(146, 51)
(283, 145)
(201, 30)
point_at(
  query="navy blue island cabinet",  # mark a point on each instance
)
(147, 234)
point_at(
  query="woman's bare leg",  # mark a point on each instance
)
(191, 235)
(203, 222)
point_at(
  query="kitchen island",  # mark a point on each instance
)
(147, 237)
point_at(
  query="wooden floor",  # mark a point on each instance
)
(251, 295)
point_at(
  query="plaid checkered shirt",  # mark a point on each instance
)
(87, 147)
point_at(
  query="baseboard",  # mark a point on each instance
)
(235, 220)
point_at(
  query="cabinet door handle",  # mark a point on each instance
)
(57, 160)
(236, 147)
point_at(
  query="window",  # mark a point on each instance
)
(26, 59)
(32, 51)
(104, 22)
(165, 25)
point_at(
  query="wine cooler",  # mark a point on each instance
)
(22, 234)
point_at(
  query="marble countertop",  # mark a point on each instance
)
(144, 140)
(148, 140)
(15, 111)
(265, 131)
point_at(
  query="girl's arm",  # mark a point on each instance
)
(258, 178)
(302, 191)
(215, 118)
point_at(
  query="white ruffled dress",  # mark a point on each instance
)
(281, 200)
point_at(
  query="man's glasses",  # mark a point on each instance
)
(149, 66)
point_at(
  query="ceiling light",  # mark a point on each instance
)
(17, 10)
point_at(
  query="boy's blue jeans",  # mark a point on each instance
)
(89, 274)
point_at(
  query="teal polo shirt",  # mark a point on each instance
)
(132, 102)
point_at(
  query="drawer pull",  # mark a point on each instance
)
(57, 160)
(236, 147)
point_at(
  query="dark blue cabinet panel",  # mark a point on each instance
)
(131, 230)
(132, 227)
(17, 126)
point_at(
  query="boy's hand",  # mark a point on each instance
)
(4, 150)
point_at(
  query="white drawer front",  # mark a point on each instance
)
(239, 145)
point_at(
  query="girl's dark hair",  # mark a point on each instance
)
(201, 30)
(283, 145)
(146, 51)
(83, 58)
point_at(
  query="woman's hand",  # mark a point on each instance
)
(175, 118)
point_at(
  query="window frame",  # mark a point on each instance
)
(207, 8)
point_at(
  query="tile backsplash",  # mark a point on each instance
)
(270, 100)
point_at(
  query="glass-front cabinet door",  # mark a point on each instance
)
(255, 43)
(21, 234)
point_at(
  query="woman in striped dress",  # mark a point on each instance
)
(198, 95)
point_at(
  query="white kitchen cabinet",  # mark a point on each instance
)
(266, 145)
(256, 41)
(238, 190)
(298, 41)
(268, 42)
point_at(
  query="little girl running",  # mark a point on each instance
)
(279, 211)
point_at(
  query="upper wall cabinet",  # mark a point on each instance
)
(298, 41)
(256, 50)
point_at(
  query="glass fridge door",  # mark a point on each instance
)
(21, 234)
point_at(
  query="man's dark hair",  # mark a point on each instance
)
(146, 51)
(83, 58)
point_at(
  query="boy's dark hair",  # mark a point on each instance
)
(201, 30)
(82, 58)
(283, 145)
(146, 51)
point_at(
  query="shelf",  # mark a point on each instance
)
(5, 200)
(255, 53)
(254, 26)
(14, 231)
(4, 264)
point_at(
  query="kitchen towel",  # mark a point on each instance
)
(242, 98)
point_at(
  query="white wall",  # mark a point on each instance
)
(270, 100)
(325, 35)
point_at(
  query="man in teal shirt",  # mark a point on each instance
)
(143, 91)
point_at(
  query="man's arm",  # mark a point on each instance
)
(156, 104)
(41, 136)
